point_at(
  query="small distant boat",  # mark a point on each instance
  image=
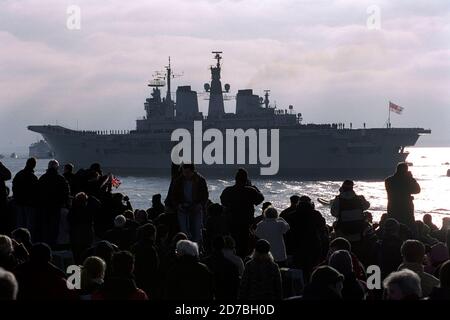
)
(448, 173)
(13, 156)
(324, 201)
(446, 163)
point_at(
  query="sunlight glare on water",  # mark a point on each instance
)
(429, 167)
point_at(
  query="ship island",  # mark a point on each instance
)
(306, 150)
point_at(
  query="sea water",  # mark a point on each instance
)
(429, 167)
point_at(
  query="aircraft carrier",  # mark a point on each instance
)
(306, 151)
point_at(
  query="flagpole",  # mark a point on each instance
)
(389, 114)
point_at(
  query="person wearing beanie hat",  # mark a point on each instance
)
(348, 208)
(353, 289)
(262, 277)
(326, 284)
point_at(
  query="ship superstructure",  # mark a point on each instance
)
(310, 151)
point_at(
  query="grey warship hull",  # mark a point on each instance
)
(306, 153)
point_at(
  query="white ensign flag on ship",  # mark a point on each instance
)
(395, 108)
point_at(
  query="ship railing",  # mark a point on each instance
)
(104, 132)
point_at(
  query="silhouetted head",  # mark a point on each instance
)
(22, 235)
(270, 213)
(156, 199)
(104, 250)
(215, 209)
(402, 168)
(339, 244)
(80, 199)
(265, 205)
(68, 168)
(120, 221)
(383, 218)
(188, 170)
(229, 242)
(402, 285)
(122, 264)
(305, 202)
(391, 227)
(262, 246)
(177, 237)
(294, 200)
(413, 251)
(341, 260)
(94, 268)
(187, 248)
(96, 167)
(53, 165)
(427, 218)
(6, 245)
(146, 232)
(347, 185)
(8, 285)
(31, 163)
(241, 177)
(141, 216)
(41, 253)
(129, 214)
(438, 254)
(368, 215)
(328, 277)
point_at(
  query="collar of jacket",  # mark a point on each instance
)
(413, 266)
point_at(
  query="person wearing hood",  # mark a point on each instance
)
(54, 192)
(399, 188)
(348, 208)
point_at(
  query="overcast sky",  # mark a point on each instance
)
(318, 55)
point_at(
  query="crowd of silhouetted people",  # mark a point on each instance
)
(189, 248)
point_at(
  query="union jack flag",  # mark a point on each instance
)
(395, 108)
(115, 182)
